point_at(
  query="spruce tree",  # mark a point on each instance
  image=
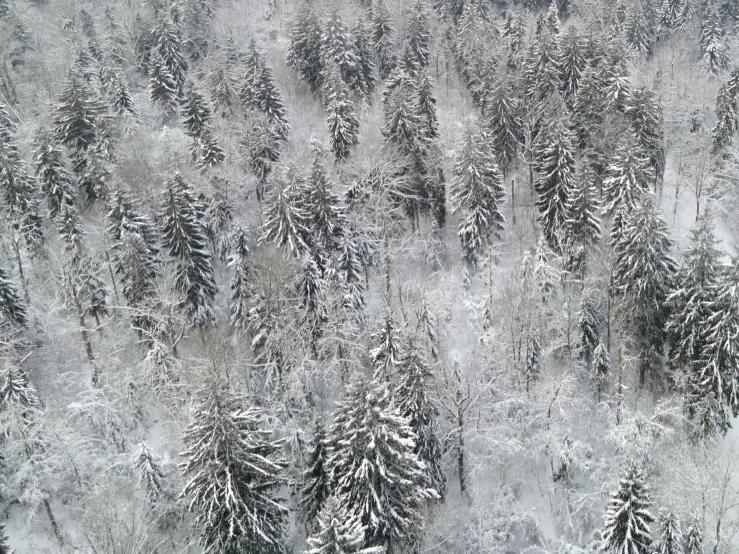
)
(184, 239)
(304, 51)
(638, 33)
(694, 536)
(343, 126)
(241, 286)
(628, 519)
(412, 397)
(713, 49)
(163, 87)
(670, 539)
(337, 49)
(426, 104)
(351, 268)
(477, 189)
(555, 164)
(382, 39)
(588, 107)
(267, 98)
(122, 99)
(627, 176)
(4, 547)
(375, 473)
(419, 33)
(168, 50)
(582, 227)
(79, 114)
(365, 76)
(13, 311)
(571, 61)
(695, 284)
(726, 120)
(504, 122)
(645, 114)
(601, 368)
(314, 482)
(540, 70)
(588, 326)
(261, 144)
(285, 221)
(15, 388)
(386, 352)
(232, 467)
(311, 288)
(338, 534)
(325, 216)
(151, 474)
(196, 113)
(643, 274)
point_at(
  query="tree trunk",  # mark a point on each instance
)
(52, 520)
(85, 338)
(21, 275)
(513, 200)
(112, 279)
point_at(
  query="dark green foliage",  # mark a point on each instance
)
(304, 51)
(54, 180)
(713, 49)
(670, 539)
(645, 114)
(338, 535)
(12, 309)
(628, 520)
(582, 227)
(80, 116)
(260, 145)
(504, 121)
(314, 485)
(572, 61)
(365, 75)
(324, 215)
(196, 112)
(382, 39)
(163, 87)
(168, 50)
(241, 286)
(337, 50)
(343, 126)
(419, 33)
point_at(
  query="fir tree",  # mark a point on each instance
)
(350, 266)
(645, 114)
(79, 115)
(261, 145)
(588, 107)
(343, 127)
(696, 281)
(169, 51)
(151, 474)
(222, 86)
(122, 99)
(15, 388)
(337, 534)
(314, 484)
(478, 190)
(627, 177)
(163, 87)
(304, 51)
(241, 287)
(504, 122)
(713, 50)
(418, 33)
(627, 519)
(311, 289)
(638, 33)
(726, 120)
(555, 164)
(285, 222)
(266, 97)
(325, 216)
(571, 61)
(541, 70)
(206, 151)
(582, 228)
(365, 76)
(196, 113)
(386, 352)
(384, 491)
(670, 535)
(337, 49)
(233, 467)
(4, 547)
(426, 104)
(588, 326)
(12, 309)
(643, 273)
(694, 536)
(412, 396)
(382, 39)
(601, 368)
(184, 238)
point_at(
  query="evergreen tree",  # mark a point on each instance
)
(600, 369)
(540, 70)
(285, 222)
(571, 61)
(627, 177)
(343, 127)
(726, 120)
(184, 238)
(15, 388)
(670, 536)
(241, 287)
(168, 50)
(266, 97)
(163, 87)
(426, 104)
(382, 39)
(261, 145)
(350, 267)
(582, 228)
(122, 99)
(12, 309)
(206, 151)
(615, 73)
(337, 49)
(196, 112)
(151, 474)
(627, 519)
(412, 397)
(304, 51)
(477, 189)
(419, 33)
(325, 216)
(222, 86)
(79, 115)
(337, 534)
(314, 484)
(696, 281)
(588, 107)
(694, 536)
(643, 273)
(713, 49)
(375, 473)
(638, 33)
(386, 353)
(4, 547)
(645, 114)
(311, 289)
(555, 164)
(588, 326)
(504, 122)
(365, 76)
(233, 467)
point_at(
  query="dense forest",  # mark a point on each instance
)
(369, 276)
